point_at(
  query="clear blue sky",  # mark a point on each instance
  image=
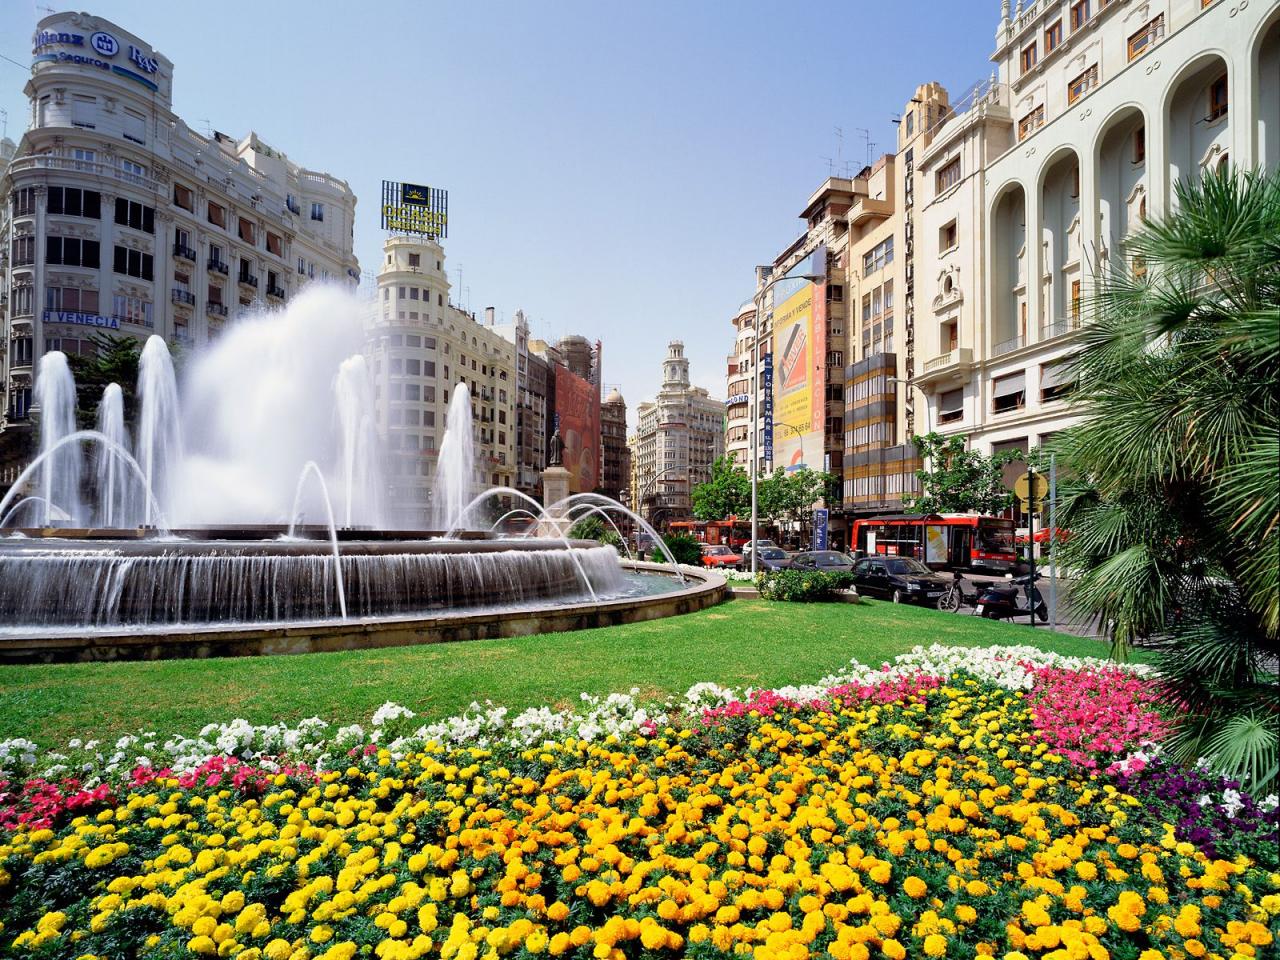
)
(614, 169)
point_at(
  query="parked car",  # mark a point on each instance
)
(771, 558)
(718, 555)
(900, 579)
(825, 561)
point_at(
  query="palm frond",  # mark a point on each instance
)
(1247, 748)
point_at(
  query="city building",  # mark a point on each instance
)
(421, 347)
(533, 375)
(680, 435)
(615, 457)
(121, 219)
(573, 406)
(1096, 111)
(738, 387)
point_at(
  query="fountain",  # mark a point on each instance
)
(192, 540)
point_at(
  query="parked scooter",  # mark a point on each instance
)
(1012, 599)
(961, 593)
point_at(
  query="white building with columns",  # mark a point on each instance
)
(1097, 109)
(121, 219)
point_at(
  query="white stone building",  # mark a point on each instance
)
(121, 219)
(420, 348)
(1097, 110)
(680, 435)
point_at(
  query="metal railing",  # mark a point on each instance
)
(1008, 346)
(217, 309)
(1058, 328)
(178, 295)
(185, 252)
(219, 266)
(248, 279)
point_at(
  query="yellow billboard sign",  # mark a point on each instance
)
(794, 361)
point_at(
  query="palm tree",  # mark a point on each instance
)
(1175, 512)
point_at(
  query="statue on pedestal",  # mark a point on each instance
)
(557, 450)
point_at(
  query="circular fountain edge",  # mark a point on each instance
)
(703, 588)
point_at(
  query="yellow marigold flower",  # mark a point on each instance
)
(322, 934)
(935, 945)
(277, 949)
(893, 950)
(915, 888)
(202, 945)
(1194, 948)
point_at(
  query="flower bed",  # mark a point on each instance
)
(923, 808)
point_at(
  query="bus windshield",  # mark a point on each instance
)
(995, 536)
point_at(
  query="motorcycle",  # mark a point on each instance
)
(959, 594)
(1008, 601)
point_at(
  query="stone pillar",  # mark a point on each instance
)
(555, 487)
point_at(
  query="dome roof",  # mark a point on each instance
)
(614, 397)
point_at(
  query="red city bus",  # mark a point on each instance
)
(945, 542)
(732, 532)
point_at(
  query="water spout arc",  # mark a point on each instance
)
(94, 436)
(53, 507)
(311, 469)
(588, 508)
(612, 504)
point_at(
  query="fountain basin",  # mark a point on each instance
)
(703, 588)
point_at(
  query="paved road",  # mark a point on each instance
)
(1066, 622)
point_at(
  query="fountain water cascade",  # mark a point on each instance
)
(206, 521)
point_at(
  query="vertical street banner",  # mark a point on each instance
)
(793, 343)
(768, 408)
(820, 518)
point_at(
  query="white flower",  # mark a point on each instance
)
(391, 711)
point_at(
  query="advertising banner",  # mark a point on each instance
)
(413, 208)
(798, 379)
(768, 408)
(578, 411)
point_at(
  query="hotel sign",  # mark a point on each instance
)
(81, 319)
(413, 208)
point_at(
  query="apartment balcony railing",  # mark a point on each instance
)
(217, 266)
(1058, 328)
(248, 279)
(183, 252)
(217, 309)
(277, 292)
(178, 295)
(1008, 346)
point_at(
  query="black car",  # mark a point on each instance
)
(900, 579)
(771, 558)
(825, 561)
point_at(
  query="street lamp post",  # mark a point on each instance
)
(645, 489)
(812, 277)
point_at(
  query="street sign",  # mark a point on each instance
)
(820, 518)
(1030, 488)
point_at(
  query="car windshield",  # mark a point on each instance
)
(772, 553)
(829, 558)
(906, 565)
(995, 536)
(715, 551)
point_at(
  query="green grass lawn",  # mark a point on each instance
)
(742, 643)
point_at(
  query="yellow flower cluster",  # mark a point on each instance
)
(936, 826)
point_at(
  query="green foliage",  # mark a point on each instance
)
(792, 496)
(1172, 497)
(589, 527)
(801, 586)
(115, 362)
(611, 539)
(684, 548)
(726, 494)
(955, 479)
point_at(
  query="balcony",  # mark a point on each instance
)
(952, 365)
(216, 309)
(183, 252)
(867, 209)
(1008, 346)
(1059, 328)
(276, 291)
(248, 279)
(184, 297)
(218, 266)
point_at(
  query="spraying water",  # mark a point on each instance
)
(159, 429)
(353, 393)
(455, 479)
(55, 393)
(116, 490)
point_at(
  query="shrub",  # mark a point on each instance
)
(588, 528)
(801, 586)
(684, 548)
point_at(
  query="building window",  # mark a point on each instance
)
(244, 230)
(1053, 36)
(1140, 145)
(317, 211)
(84, 111)
(1028, 57)
(217, 215)
(274, 244)
(949, 175)
(1218, 98)
(1082, 84)
(71, 252)
(951, 406)
(183, 197)
(1031, 122)
(23, 300)
(1009, 393)
(1056, 380)
(24, 201)
(1075, 299)
(835, 293)
(1146, 38)
(1080, 14)
(291, 203)
(414, 260)
(302, 269)
(130, 213)
(132, 172)
(70, 300)
(133, 263)
(879, 257)
(948, 236)
(72, 202)
(132, 310)
(84, 159)
(135, 126)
